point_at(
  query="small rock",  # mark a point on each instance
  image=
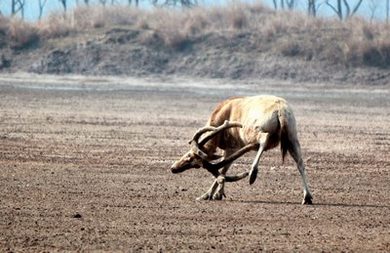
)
(77, 216)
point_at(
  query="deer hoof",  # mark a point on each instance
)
(205, 196)
(308, 200)
(253, 175)
(217, 196)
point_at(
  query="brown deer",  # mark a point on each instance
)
(237, 126)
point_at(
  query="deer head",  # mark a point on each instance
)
(196, 157)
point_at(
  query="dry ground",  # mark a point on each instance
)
(84, 166)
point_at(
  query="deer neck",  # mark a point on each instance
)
(210, 147)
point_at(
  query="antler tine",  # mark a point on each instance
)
(225, 125)
(214, 167)
(236, 177)
(201, 131)
(196, 146)
(214, 130)
(194, 141)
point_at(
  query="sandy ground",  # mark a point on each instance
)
(84, 166)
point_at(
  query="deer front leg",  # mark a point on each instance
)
(216, 191)
(209, 194)
(220, 191)
(218, 185)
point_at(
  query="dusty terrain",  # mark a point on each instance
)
(84, 166)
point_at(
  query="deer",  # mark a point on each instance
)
(237, 126)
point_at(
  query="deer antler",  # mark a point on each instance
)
(225, 125)
(214, 167)
(196, 144)
(214, 130)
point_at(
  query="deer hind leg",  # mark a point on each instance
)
(263, 142)
(295, 152)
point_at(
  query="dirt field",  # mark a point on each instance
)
(84, 166)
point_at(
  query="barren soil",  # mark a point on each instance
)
(84, 166)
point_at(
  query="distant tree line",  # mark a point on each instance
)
(343, 9)
(18, 6)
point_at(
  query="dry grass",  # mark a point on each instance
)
(19, 34)
(292, 34)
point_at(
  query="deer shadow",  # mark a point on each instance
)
(321, 204)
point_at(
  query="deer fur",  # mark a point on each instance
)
(267, 121)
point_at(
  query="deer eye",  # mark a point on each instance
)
(188, 157)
